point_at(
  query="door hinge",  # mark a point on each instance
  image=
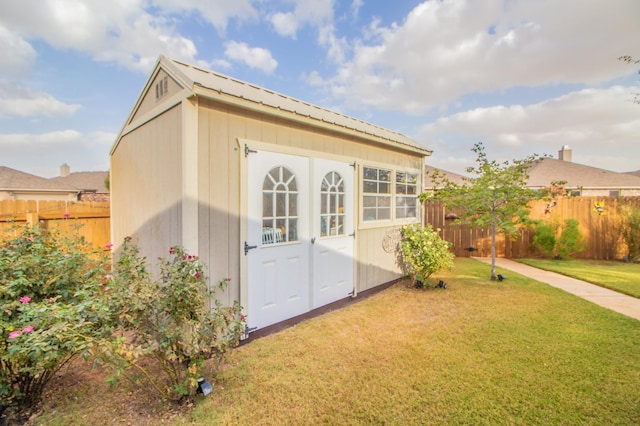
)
(248, 150)
(247, 247)
(353, 165)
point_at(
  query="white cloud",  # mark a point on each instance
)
(285, 24)
(17, 54)
(20, 101)
(216, 12)
(355, 7)
(254, 57)
(446, 49)
(131, 33)
(599, 124)
(318, 14)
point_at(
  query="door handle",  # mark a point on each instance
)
(313, 240)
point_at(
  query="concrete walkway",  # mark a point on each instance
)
(610, 299)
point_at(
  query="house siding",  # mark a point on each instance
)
(220, 126)
(146, 185)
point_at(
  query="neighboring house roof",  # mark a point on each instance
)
(453, 177)
(85, 181)
(578, 175)
(15, 180)
(195, 79)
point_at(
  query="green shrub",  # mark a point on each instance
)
(50, 291)
(630, 227)
(544, 238)
(571, 241)
(423, 252)
(168, 320)
(563, 246)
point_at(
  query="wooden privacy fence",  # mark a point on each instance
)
(601, 229)
(90, 219)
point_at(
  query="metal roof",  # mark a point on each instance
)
(191, 76)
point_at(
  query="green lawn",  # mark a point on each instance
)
(618, 276)
(516, 352)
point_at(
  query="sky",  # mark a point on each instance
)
(523, 77)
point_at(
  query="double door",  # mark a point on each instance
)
(300, 235)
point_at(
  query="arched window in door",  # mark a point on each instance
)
(279, 206)
(332, 212)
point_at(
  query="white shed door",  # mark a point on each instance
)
(300, 220)
(333, 237)
(278, 204)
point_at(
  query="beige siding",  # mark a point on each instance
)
(376, 263)
(149, 101)
(146, 178)
(219, 155)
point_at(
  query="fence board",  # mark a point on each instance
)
(91, 219)
(601, 231)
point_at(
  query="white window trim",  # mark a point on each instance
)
(371, 224)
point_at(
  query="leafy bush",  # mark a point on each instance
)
(424, 252)
(571, 241)
(563, 246)
(630, 226)
(50, 287)
(168, 320)
(544, 238)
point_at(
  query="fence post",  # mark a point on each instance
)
(32, 219)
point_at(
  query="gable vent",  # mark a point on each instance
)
(162, 88)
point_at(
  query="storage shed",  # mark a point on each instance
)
(298, 205)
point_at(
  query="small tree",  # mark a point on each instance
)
(424, 252)
(496, 198)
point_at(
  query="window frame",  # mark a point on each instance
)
(393, 220)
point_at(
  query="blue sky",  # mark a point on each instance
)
(521, 76)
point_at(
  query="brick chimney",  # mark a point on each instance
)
(65, 170)
(565, 153)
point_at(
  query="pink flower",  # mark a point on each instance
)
(108, 277)
(198, 275)
(25, 299)
(66, 214)
(15, 334)
(28, 329)
(108, 245)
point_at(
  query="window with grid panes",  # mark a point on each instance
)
(376, 189)
(279, 206)
(406, 195)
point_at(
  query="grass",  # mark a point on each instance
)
(480, 352)
(618, 276)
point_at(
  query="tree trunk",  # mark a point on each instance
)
(493, 252)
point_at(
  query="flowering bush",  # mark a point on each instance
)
(423, 252)
(174, 319)
(50, 286)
